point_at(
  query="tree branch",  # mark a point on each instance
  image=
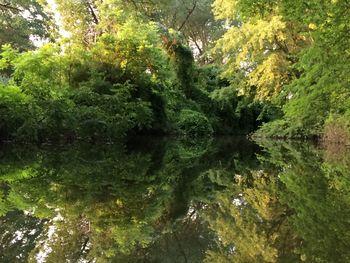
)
(193, 37)
(188, 15)
(92, 12)
(7, 6)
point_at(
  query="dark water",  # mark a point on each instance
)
(158, 200)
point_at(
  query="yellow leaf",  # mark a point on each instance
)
(312, 26)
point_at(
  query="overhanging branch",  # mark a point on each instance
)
(7, 6)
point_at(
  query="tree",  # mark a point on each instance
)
(262, 43)
(23, 21)
(192, 18)
(289, 52)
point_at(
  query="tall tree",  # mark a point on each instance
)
(260, 42)
(193, 18)
(293, 53)
(81, 19)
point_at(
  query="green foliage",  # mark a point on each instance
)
(24, 20)
(192, 19)
(281, 209)
(84, 192)
(205, 200)
(293, 53)
(318, 197)
(102, 93)
(263, 46)
(184, 65)
(129, 67)
(193, 123)
(125, 68)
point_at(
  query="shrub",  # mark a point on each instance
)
(193, 123)
(12, 107)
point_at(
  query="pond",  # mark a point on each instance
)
(170, 200)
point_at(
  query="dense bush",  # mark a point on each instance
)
(14, 111)
(193, 123)
(96, 93)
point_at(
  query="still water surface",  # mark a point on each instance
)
(164, 200)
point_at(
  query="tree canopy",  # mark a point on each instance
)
(184, 67)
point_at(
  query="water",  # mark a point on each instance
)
(163, 200)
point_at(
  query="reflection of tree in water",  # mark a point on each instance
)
(106, 202)
(18, 232)
(293, 208)
(174, 201)
(251, 224)
(317, 189)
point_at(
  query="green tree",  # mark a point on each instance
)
(261, 42)
(23, 21)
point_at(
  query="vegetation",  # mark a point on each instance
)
(280, 210)
(296, 55)
(108, 69)
(174, 200)
(101, 74)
